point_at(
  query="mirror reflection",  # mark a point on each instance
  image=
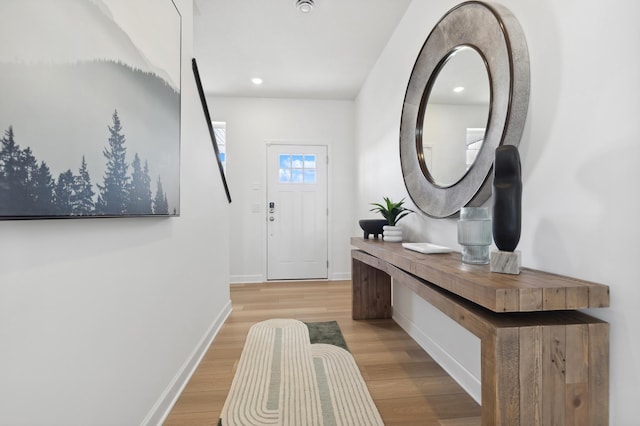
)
(455, 117)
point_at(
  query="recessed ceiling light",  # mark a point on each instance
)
(458, 89)
(304, 6)
(257, 81)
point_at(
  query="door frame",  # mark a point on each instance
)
(298, 142)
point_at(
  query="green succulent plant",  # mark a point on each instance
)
(391, 211)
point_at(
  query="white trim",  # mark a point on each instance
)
(330, 223)
(457, 371)
(340, 276)
(246, 279)
(161, 409)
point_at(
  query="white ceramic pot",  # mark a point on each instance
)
(392, 234)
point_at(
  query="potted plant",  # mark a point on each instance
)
(392, 212)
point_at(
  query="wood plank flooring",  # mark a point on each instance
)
(408, 387)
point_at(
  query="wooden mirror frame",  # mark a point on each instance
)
(495, 33)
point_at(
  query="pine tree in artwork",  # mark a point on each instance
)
(140, 189)
(17, 171)
(64, 193)
(82, 198)
(114, 195)
(28, 166)
(43, 191)
(160, 203)
(9, 155)
(11, 181)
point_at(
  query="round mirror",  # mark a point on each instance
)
(491, 34)
(455, 110)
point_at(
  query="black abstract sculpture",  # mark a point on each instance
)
(507, 198)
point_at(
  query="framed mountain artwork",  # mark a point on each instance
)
(90, 111)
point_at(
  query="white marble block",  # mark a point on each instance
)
(505, 262)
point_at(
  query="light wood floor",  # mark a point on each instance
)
(408, 387)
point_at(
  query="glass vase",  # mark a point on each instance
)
(474, 234)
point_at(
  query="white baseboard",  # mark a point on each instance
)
(246, 279)
(340, 276)
(161, 409)
(459, 373)
(252, 279)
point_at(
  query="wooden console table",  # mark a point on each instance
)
(543, 363)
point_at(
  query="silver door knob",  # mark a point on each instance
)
(271, 218)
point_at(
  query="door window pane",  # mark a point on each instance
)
(310, 176)
(297, 162)
(297, 176)
(309, 161)
(285, 175)
(285, 161)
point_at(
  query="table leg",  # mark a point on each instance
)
(371, 292)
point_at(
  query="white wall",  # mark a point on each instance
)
(579, 153)
(251, 124)
(102, 319)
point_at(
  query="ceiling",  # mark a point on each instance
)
(325, 54)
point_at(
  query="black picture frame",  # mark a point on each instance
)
(207, 117)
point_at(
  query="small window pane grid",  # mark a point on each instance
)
(297, 168)
(221, 139)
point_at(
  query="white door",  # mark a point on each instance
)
(297, 212)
